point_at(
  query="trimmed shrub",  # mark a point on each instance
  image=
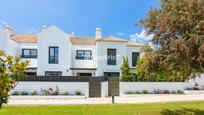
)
(65, 93)
(158, 91)
(137, 92)
(145, 91)
(16, 93)
(78, 93)
(180, 92)
(166, 92)
(24, 93)
(34, 93)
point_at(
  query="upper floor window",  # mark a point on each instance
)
(53, 55)
(84, 54)
(29, 53)
(135, 56)
(111, 57)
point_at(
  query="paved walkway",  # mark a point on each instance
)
(120, 100)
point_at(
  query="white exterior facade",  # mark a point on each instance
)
(68, 64)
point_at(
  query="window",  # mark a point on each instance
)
(111, 57)
(53, 55)
(53, 73)
(29, 53)
(135, 56)
(84, 54)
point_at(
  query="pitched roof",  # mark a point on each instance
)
(132, 43)
(24, 38)
(77, 40)
(112, 39)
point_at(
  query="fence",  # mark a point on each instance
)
(107, 86)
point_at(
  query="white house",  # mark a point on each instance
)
(54, 52)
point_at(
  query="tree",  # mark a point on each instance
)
(11, 71)
(178, 28)
(126, 75)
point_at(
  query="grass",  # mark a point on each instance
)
(179, 108)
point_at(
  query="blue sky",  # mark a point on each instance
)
(114, 17)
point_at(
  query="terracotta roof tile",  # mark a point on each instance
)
(132, 43)
(77, 40)
(24, 38)
(112, 39)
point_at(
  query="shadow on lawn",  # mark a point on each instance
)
(182, 111)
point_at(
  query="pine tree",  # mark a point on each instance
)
(125, 70)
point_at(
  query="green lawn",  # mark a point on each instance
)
(181, 108)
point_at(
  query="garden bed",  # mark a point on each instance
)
(20, 97)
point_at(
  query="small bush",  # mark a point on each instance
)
(137, 92)
(166, 92)
(180, 92)
(129, 92)
(56, 91)
(145, 92)
(65, 93)
(158, 91)
(16, 93)
(34, 93)
(24, 93)
(50, 91)
(173, 92)
(78, 93)
(47, 91)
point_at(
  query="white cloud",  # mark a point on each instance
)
(141, 37)
(3, 22)
(119, 34)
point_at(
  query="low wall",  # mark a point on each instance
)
(70, 87)
(104, 89)
(151, 86)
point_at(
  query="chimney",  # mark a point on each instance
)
(8, 30)
(44, 27)
(73, 34)
(98, 33)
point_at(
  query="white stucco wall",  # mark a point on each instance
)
(53, 36)
(131, 49)
(33, 61)
(7, 45)
(151, 86)
(3, 40)
(76, 63)
(70, 87)
(101, 47)
(104, 89)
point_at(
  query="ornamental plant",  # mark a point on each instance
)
(126, 75)
(12, 69)
(178, 29)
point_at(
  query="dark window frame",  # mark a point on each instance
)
(134, 61)
(84, 57)
(111, 61)
(29, 56)
(55, 57)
